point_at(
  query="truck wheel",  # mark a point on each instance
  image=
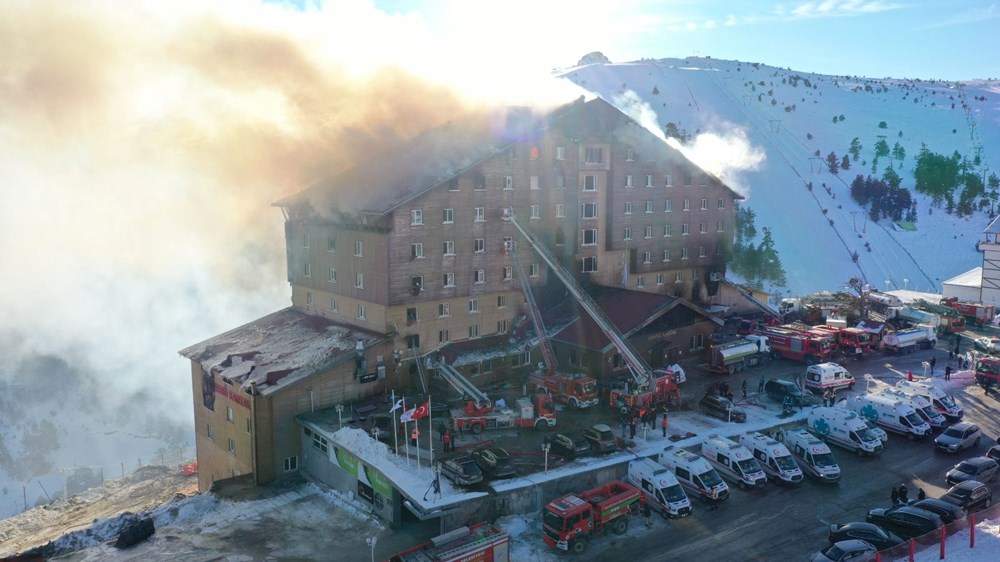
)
(574, 402)
(477, 428)
(620, 526)
(666, 514)
(540, 425)
(578, 546)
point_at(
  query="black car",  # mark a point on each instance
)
(462, 470)
(906, 521)
(948, 512)
(722, 407)
(569, 445)
(602, 439)
(778, 389)
(495, 462)
(970, 495)
(868, 532)
(982, 469)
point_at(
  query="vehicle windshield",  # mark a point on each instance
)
(606, 435)
(824, 459)
(929, 414)
(966, 467)
(470, 469)
(785, 463)
(914, 419)
(947, 402)
(954, 433)
(960, 493)
(866, 434)
(833, 552)
(589, 388)
(710, 479)
(553, 520)
(674, 493)
(748, 466)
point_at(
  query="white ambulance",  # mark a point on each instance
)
(662, 490)
(733, 461)
(773, 457)
(921, 406)
(891, 414)
(826, 376)
(813, 455)
(694, 473)
(845, 428)
(943, 403)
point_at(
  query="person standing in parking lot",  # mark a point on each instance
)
(664, 424)
(894, 496)
(902, 493)
(647, 512)
(933, 361)
(947, 373)
(744, 388)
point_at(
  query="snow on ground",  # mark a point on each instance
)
(957, 548)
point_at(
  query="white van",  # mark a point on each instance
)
(921, 406)
(941, 402)
(773, 457)
(845, 428)
(824, 376)
(813, 455)
(734, 461)
(890, 413)
(662, 490)
(694, 473)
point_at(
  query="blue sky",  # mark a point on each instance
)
(945, 39)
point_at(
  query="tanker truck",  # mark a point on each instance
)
(921, 336)
(913, 316)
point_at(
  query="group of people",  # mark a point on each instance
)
(631, 418)
(830, 397)
(447, 437)
(899, 495)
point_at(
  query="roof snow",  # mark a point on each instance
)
(971, 278)
(288, 345)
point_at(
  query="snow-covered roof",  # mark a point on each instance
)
(971, 278)
(909, 297)
(278, 349)
(994, 226)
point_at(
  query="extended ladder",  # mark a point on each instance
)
(460, 383)
(420, 370)
(536, 315)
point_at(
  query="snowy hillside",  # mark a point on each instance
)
(787, 120)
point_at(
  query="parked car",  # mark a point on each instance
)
(602, 439)
(988, 344)
(496, 462)
(982, 469)
(948, 512)
(906, 521)
(846, 551)
(868, 532)
(462, 470)
(970, 495)
(960, 436)
(994, 453)
(778, 389)
(722, 407)
(569, 445)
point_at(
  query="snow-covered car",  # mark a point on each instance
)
(842, 551)
(989, 344)
(602, 439)
(462, 470)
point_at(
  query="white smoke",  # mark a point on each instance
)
(727, 155)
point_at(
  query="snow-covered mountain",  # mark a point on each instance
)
(759, 128)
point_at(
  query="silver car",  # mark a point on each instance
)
(853, 550)
(960, 436)
(977, 468)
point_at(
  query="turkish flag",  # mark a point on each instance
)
(421, 412)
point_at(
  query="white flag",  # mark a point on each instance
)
(407, 415)
(399, 404)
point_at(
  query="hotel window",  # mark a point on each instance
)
(359, 280)
(358, 249)
(411, 315)
(647, 232)
(593, 155)
(649, 181)
(647, 257)
(448, 216)
(508, 273)
(416, 251)
(416, 217)
(560, 211)
(687, 205)
(668, 206)
(684, 253)
(668, 230)
(536, 212)
(334, 307)
(362, 313)
(628, 233)
(480, 214)
(209, 433)
(479, 276)
(640, 281)
(320, 444)
(449, 247)
(533, 270)
(628, 180)
(474, 331)
(678, 278)
(331, 244)
(704, 204)
(560, 238)
(232, 446)
(449, 279)
(722, 203)
(589, 264)
(479, 182)
(230, 415)
(659, 279)
(333, 275)
(479, 245)
(453, 184)
(501, 326)
(590, 183)
(508, 182)
(649, 206)
(533, 182)
(309, 298)
(687, 178)
(588, 211)
(718, 227)
(704, 179)
(702, 228)
(668, 181)
(290, 463)
(501, 301)
(666, 255)
(443, 336)
(629, 154)
(628, 207)
(589, 237)
(560, 153)
(307, 270)
(305, 240)
(560, 181)
(701, 252)
(444, 310)
(685, 230)
(473, 306)
(697, 341)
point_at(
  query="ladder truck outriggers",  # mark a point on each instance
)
(649, 388)
(575, 389)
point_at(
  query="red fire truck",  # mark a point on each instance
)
(482, 542)
(851, 341)
(572, 520)
(975, 312)
(987, 371)
(576, 389)
(799, 346)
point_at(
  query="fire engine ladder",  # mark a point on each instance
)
(641, 373)
(536, 315)
(763, 306)
(461, 384)
(420, 370)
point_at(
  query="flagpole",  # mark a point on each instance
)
(430, 429)
(406, 438)
(395, 430)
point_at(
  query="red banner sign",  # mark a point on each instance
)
(233, 395)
